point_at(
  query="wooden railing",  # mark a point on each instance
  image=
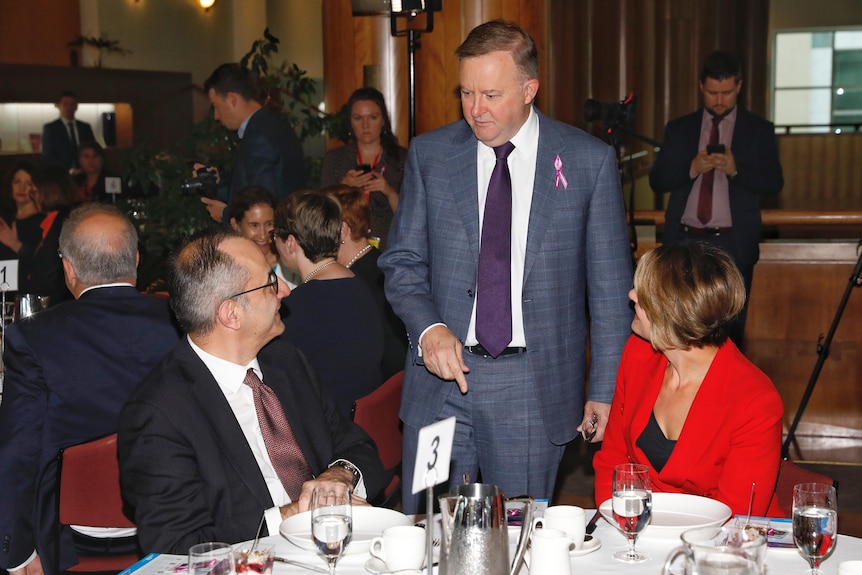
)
(777, 217)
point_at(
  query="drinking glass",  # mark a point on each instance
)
(632, 506)
(815, 521)
(211, 558)
(331, 522)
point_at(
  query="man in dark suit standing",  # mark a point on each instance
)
(269, 153)
(561, 245)
(198, 459)
(60, 138)
(69, 370)
(716, 163)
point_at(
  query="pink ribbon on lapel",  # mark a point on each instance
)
(558, 164)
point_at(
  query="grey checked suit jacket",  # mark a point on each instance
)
(577, 256)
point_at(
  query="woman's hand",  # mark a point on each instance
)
(357, 178)
(379, 184)
(9, 235)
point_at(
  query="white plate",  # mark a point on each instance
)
(368, 522)
(673, 513)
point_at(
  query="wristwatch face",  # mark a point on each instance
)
(351, 468)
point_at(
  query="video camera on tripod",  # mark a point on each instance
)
(614, 114)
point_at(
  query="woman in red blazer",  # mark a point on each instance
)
(687, 402)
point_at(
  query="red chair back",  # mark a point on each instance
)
(789, 474)
(89, 495)
(377, 414)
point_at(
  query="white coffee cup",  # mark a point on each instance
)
(850, 568)
(566, 518)
(400, 547)
(549, 552)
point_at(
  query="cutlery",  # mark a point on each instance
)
(301, 564)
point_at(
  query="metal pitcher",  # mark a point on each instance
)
(475, 534)
(26, 304)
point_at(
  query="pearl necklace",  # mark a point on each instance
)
(358, 255)
(317, 269)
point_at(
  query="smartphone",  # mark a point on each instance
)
(365, 168)
(715, 149)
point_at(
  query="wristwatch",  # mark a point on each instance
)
(357, 475)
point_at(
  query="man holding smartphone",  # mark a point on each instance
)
(716, 163)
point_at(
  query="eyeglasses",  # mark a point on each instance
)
(273, 283)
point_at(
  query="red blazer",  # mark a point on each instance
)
(731, 437)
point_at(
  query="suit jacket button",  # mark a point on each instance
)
(469, 293)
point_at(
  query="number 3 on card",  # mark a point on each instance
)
(433, 454)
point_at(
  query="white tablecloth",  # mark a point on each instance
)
(778, 561)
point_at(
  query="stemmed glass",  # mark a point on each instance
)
(815, 521)
(331, 522)
(632, 505)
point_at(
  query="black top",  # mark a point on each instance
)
(337, 325)
(655, 445)
(394, 332)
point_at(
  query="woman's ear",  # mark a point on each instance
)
(345, 231)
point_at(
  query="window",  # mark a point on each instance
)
(817, 81)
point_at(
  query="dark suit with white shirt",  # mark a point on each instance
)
(69, 370)
(187, 468)
(58, 149)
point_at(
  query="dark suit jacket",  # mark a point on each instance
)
(186, 467)
(577, 238)
(731, 437)
(57, 149)
(70, 369)
(269, 155)
(755, 151)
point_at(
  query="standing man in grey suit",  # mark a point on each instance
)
(61, 138)
(564, 251)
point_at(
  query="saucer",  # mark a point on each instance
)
(588, 547)
(378, 567)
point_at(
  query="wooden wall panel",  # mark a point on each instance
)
(821, 172)
(794, 298)
(36, 31)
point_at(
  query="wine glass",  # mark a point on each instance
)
(331, 521)
(815, 521)
(632, 506)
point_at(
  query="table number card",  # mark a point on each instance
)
(9, 275)
(433, 454)
(113, 185)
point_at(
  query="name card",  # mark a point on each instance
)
(8, 275)
(434, 454)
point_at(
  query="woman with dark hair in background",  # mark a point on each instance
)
(372, 160)
(20, 214)
(358, 255)
(331, 316)
(91, 179)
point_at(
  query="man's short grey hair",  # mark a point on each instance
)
(202, 277)
(100, 258)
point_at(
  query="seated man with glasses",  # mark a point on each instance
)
(232, 425)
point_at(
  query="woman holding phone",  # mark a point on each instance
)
(372, 160)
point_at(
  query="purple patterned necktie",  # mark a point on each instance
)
(284, 452)
(494, 292)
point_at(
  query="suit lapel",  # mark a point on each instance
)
(545, 194)
(223, 423)
(463, 177)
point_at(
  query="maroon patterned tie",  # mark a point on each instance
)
(704, 202)
(284, 452)
(494, 292)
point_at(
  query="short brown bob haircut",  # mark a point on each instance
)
(691, 293)
(314, 220)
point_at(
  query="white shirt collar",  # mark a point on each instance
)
(227, 374)
(117, 284)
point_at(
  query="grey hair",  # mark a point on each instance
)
(100, 258)
(202, 277)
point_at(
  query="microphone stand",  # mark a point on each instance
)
(822, 353)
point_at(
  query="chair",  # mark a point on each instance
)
(377, 414)
(789, 474)
(88, 493)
